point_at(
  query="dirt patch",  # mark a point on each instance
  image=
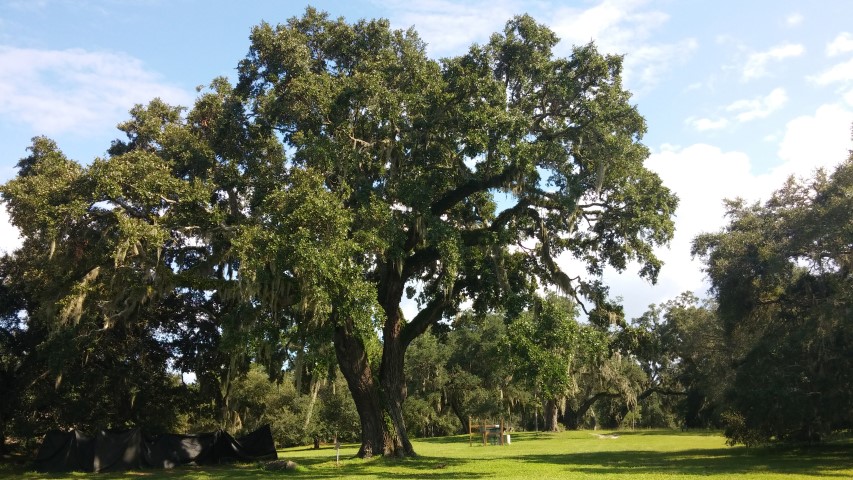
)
(278, 465)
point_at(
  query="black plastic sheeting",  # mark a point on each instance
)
(116, 451)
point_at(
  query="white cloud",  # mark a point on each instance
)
(705, 124)
(794, 19)
(843, 43)
(756, 63)
(842, 72)
(848, 97)
(56, 91)
(703, 175)
(651, 62)
(814, 141)
(10, 237)
(625, 27)
(761, 107)
(616, 26)
(72, 91)
(449, 28)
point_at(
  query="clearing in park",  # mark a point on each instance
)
(600, 455)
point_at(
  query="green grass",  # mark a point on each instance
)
(640, 455)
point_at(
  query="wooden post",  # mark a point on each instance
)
(469, 431)
(501, 433)
(485, 434)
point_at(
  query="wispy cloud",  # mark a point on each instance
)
(617, 26)
(625, 27)
(706, 124)
(760, 107)
(448, 27)
(56, 91)
(756, 63)
(26, 5)
(741, 111)
(848, 97)
(794, 19)
(646, 65)
(842, 72)
(843, 43)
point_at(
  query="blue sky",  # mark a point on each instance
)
(737, 94)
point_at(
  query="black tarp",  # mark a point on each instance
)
(66, 452)
(113, 451)
(171, 450)
(260, 443)
(117, 451)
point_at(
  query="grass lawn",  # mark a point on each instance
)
(639, 455)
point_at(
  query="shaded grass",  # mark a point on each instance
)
(639, 455)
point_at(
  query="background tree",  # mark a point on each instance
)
(680, 347)
(542, 346)
(127, 265)
(481, 384)
(426, 409)
(80, 273)
(780, 272)
(600, 373)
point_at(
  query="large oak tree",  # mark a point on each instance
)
(418, 153)
(346, 172)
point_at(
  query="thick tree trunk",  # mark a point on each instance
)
(550, 415)
(352, 359)
(572, 418)
(380, 407)
(393, 382)
(457, 410)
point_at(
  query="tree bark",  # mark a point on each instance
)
(457, 410)
(550, 415)
(392, 380)
(380, 407)
(352, 359)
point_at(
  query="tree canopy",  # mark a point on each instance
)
(781, 273)
(343, 173)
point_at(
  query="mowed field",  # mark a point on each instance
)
(634, 455)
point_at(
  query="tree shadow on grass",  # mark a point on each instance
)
(827, 461)
(384, 467)
(417, 467)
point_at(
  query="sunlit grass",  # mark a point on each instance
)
(639, 455)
